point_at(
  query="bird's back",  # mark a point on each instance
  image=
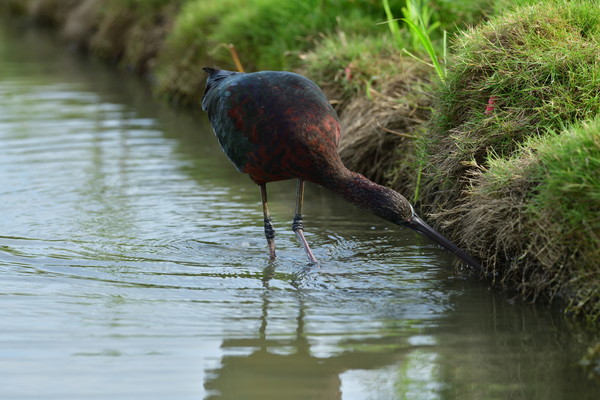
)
(273, 125)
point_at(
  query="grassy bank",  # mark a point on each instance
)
(510, 158)
(502, 152)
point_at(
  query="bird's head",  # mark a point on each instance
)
(394, 207)
(390, 205)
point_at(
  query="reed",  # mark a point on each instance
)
(421, 23)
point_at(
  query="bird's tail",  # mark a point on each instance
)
(218, 74)
(215, 76)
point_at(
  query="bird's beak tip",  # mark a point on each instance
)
(417, 224)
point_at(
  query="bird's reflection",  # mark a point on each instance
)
(286, 368)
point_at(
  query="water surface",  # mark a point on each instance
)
(133, 266)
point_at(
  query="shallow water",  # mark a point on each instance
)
(133, 266)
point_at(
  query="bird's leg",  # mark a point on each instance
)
(269, 231)
(297, 226)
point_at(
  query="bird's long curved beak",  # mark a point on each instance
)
(417, 224)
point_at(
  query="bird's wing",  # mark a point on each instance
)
(220, 106)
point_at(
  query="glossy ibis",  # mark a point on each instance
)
(279, 125)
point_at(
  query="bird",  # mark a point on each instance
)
(279, 125)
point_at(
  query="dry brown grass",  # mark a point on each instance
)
(378, 132)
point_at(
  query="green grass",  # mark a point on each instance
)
(146, 4)
(267, 34)
(276, 35)
(568, 199)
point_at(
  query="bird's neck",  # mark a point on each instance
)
(380, 200)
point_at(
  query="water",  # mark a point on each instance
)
(133, 266)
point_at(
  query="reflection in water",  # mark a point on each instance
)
(132, 266)
(265, 374)
(508, 351)
(258, 367)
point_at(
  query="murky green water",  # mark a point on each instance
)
(133, 266)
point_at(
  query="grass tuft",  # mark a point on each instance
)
(536, 217)
(515, 77)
